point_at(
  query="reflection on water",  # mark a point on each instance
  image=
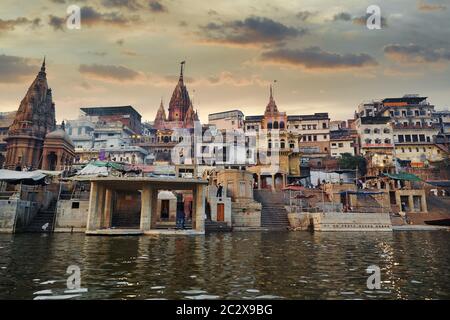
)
(288, 265)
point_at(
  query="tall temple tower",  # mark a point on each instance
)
(34, 119)
(180, 101)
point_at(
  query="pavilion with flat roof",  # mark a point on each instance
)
(101, 203)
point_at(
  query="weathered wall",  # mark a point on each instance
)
(246, 214)
(69, 219)
(15, 215)
(337, 221)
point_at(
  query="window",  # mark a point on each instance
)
(401, 138)
(367, 131)
(283, 144)
(415, 138)
(75, 205)
(269, 125)
(275, 125)
(387, 141)
(315, 138)
(281, 124)
(325, 137)
(324, 125)
(333, 144)
(341, 145)
(421, 137)
(376, 131)
(386, 130)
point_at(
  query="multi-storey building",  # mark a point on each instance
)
(376, 143)
(415, 128)
(314, 131)
(102, 133)
(342, 141)
(227, 120)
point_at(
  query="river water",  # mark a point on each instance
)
(240, 265)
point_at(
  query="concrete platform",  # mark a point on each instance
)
(174, 232)
(115, 232)
(419, 228)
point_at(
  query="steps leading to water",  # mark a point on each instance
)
(43, 220)
(273, 212)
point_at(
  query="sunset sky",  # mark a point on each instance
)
(320, 52)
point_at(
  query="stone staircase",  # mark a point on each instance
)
(273, 212)
(43, 220)
(126, 220)
(368, 204)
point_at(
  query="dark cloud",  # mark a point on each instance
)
(252, 30)
(91, 17)
(424, 6)
(361, 20)
(56, 22)
(109, 72)
(342, 16)
(316, 58)
(132, 5)
(11, 24)
(305, 15)
(16, 69)
(157, 6)
(413, 53)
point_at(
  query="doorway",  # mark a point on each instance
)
(220, 212)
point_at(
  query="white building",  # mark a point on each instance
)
(227, 120)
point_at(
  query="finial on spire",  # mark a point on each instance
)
(43, 65)
(182, 69)
(271, 92)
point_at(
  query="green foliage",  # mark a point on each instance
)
(347, 161)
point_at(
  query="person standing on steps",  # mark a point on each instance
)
(219, 190)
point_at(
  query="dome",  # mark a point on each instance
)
(59, 134)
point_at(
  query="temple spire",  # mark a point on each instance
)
(271, 92)
(182, 70)
(43, 66)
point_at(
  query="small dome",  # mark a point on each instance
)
(59, 134)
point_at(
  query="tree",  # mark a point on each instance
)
(348, 161)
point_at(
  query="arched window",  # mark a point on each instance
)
(281, 124)
(269, 145)
(283, 144)
(387, 141)
(367, 131)
(269, 125)
(275, 125)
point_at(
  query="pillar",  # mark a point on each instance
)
(423, 202)
(259, 180)
(148, 207)
(199, 205)
(107, 214)
(96, 206)
(411, 203)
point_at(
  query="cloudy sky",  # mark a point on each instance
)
(321, 53)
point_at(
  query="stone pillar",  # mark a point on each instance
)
(149, 197)
(199, 206)
(273, 182)
(423, 201)
(411, 203)
(96, 205)
(107, 215)
(259, 180)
